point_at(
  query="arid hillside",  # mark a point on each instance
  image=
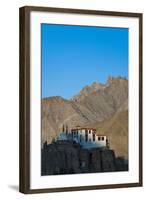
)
(104, 106)
(116, 129)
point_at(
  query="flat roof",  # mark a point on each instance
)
(83, 128)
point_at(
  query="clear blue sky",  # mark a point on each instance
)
(76, 56)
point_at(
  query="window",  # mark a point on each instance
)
(93, 136)
(89, 131)
(80, 138)
(86, 136)
(99, 138)
(102, 138)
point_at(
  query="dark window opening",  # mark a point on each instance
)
(80, 138)
(86, 136)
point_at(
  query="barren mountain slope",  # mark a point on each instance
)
(116, 129)
(94, 104)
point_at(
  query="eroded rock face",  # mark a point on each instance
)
(69, 158)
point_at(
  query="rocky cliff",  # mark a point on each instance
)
(69, 158)
(95, 106)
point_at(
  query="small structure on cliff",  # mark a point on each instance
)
(86, 137)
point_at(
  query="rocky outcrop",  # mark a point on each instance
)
(64, 157)
(87, 90)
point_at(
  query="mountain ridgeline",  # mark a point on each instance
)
(101, 106)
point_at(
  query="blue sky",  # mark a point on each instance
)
(76, 56)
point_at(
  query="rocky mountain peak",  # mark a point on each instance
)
(115, 80)
(87, 90)
(96, 87)
(54, 99)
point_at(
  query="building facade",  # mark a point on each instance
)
(86, 137)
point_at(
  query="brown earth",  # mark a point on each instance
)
(116, 129)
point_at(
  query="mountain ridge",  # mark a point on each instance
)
(92, 105)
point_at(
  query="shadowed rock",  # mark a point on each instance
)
(64, 157)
